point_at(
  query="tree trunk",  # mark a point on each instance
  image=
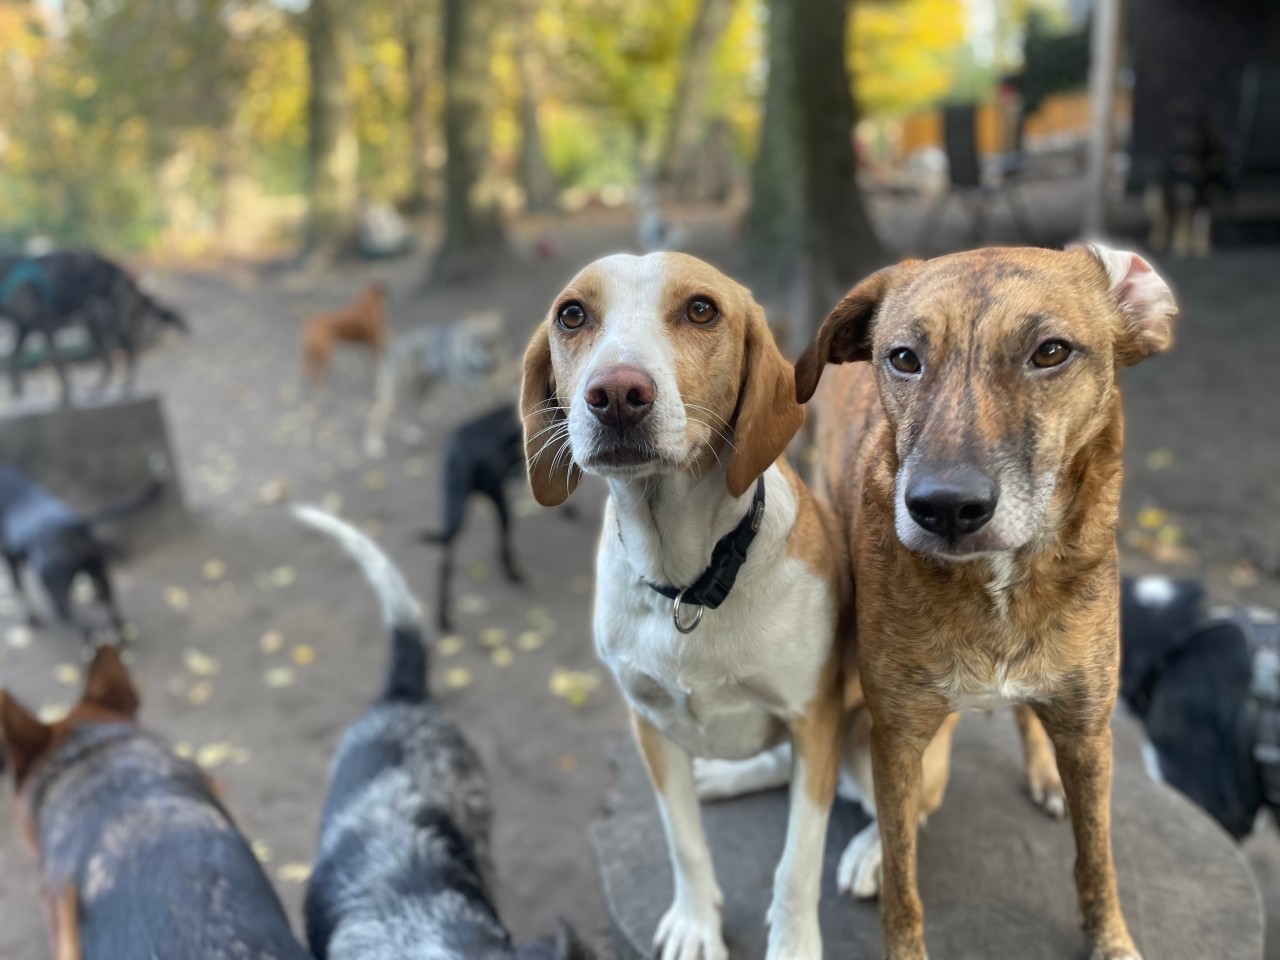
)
(416, 79)
(810, 236)
(536, 177)
(678, 171)
(334, 150)
(473, 237)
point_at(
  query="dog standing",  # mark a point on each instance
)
(40, 531)
(467, 352)
(137, 856)
(974, 460)
(719, 586)
(363, 320)
(403, 869)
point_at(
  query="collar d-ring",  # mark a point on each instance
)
(675, 614)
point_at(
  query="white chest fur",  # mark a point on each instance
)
(726, 689)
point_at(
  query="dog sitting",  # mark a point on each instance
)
(468, 353)
(363, 320)
(719, 582)
(40, 531)
(138, 858)
(403, 869)
(1192, 186)
(974, 460)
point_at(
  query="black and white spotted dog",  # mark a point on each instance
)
(467, 352)
(1206, 686)
(403, 870)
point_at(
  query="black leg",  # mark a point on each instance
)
(15, 362)
(495, 492)
(15, 577)
(59, 367)
(442, 589)
(97, 572)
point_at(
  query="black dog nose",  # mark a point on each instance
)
(621, 396)
(952, 502)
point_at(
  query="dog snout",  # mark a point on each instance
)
(621, 397)
(952, 502)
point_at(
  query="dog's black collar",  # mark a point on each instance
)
(730, 553)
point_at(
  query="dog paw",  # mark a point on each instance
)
(718, 779)
(794, 940)
(688, 932)
(861, 865)
(1047, 794)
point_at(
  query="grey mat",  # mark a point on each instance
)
(996, 873)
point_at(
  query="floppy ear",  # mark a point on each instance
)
(108, 685)
(768, 415)
(845, 336)
(552, 473)
(24, 738)
(1146, 304)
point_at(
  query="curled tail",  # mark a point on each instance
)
(407, 673)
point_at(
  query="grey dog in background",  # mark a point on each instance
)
(403, 871)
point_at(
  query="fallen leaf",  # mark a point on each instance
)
(473, 604)
(493, 637)
(294, 873)
(274, 491)
(529, 640)
(478, 571)
(371, 527)
(527, 507)
(177, 598)
(1169, 535)
(184, 750)
(53, 712)
(303, 654)
(67, 674)
(200, 693)
(1243, 575)
(574, 686)
(451, 645)
(331, 502)
(200, 663)
(261, 851)
(568, 763)
(18, 637)
(375, 480)
(271, 642)
(279, 677)
(1152, 518)
(213, 570)
(414, 467)
(502, 657)
(213, 755)
(130, 632)
(1159, 459)
(456, 678)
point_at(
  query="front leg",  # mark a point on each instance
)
(816, 738)
(1084, 760)
(897, 753)
(690, 929)
(1043, 780)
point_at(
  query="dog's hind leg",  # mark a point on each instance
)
(97, 572)
(494, 491)
(724, 779)
(1043, 780)
(15, 361)
(15, 577)
(384, 403)
(59, 366)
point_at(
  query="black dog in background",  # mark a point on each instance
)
(403, 868)
(42, 532)
(1207, 689)
(42, 295)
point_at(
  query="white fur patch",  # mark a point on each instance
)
(1154, 591)
(862, 864)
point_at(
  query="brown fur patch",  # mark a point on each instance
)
(66, 941)
(363, 320)
(649, 740)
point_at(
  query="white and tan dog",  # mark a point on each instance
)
(660, 375)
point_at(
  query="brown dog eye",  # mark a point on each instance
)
(1051, 353)
(904, 360)
(571, 316)
(700, 310)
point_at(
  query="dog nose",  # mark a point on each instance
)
(952, 502)
(621, 397)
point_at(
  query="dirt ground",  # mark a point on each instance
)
(258, 641)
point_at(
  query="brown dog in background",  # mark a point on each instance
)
(975, 464)
(363, 320)
(137, 857)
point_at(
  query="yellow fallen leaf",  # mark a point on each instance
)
(473, 604)
(502, 657)
(456, 678)
(478, 571)
(213, 755)
(451, 645)
(200, 663)
(331, 502)
(1159, 459)
(303, 654)
(129, 633)
(279, 677)
(67, 674)
(239, 756)
(1168, 535)
(568, 763)
(271, 642)
(184, 750)
(1243, 575)
(372, 527)
(213, 570)
(294, 873)
(493, 637)
(53, 712)
(177, 598)
(375, 480)
(1152, 518)
(529, 640)
(200, 693)
(261, 851)
(574, 686)
(18, 637)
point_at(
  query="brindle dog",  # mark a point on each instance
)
(137, 856)
(975, 462)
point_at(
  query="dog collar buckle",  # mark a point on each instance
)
(681, 625)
